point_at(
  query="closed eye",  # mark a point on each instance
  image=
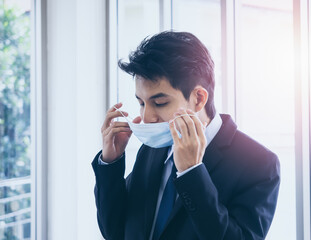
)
(161, 104)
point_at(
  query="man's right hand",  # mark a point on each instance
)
(115, 135)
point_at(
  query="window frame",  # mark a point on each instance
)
(301, 16)
(39, 149)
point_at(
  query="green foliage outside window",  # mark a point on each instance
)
(14, 116)
(14, 93)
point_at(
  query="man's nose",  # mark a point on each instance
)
(149, 115)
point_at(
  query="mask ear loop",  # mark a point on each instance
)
(123, 114)
(181, 116)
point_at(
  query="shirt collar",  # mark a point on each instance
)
(210, 132)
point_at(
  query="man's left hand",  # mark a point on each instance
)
(190, 148)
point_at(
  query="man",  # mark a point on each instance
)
(226, 185)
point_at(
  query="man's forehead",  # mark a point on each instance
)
(156, 86)
(160, 88)
(147, 81)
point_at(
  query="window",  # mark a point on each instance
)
(265, 93)
(15, 140)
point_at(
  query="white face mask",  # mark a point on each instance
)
(155, 135)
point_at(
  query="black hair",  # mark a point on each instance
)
(180, 57)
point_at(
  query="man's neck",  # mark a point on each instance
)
(204, 118)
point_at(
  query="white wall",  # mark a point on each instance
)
(76, 106)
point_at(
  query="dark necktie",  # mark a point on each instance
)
(167, 203)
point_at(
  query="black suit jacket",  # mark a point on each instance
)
(231, 196)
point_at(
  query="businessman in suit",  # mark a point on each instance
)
(212, 182)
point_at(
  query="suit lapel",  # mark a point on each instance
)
(211, 157)
(222, 139)
(154, 174)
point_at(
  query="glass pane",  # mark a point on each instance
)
(203, 19)
(137, 19)
(265, 93)
(15, 183)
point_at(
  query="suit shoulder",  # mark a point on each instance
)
(255, 154)
(251, 145)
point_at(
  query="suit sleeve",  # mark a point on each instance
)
(110, 197)
(247, 215)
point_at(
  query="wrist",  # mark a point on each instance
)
(179, 174)
(185, 167)
(108, 161)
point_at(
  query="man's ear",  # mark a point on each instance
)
(199, 97)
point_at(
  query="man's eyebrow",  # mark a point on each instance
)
(158, 95)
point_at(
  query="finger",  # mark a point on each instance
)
(106, 131)
(181, 125)
(199, 127)
(114, 131)
(174, 133)
(189, 122)
(110, 116)
(113, 108)
(137, 120)
(119, 124)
